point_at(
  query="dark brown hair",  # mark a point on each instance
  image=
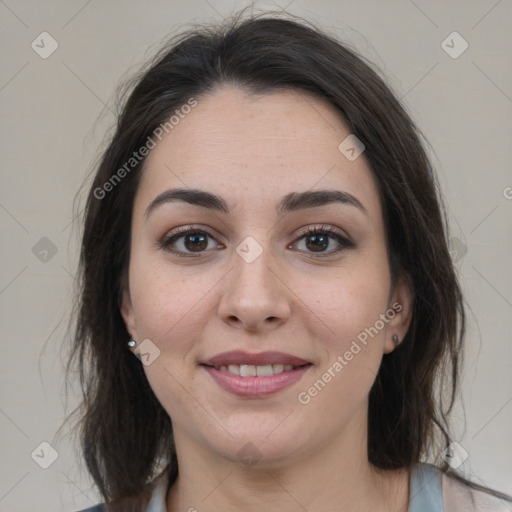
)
(126, 435)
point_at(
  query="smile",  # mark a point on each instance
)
(255, 375)
(251, 370)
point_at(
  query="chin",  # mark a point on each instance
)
(264, 440)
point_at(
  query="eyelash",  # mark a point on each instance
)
(345, 244)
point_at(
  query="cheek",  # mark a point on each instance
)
(165, 300)
(348, 302)
(352, 346)
(169, 311)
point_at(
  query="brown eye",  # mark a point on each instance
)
(318, 240)
(317, 243)
(186, 242)
(195, 241)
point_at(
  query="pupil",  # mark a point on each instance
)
(194, 246)
(322, 238)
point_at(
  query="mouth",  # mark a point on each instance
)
(255, 375)
(251, 370)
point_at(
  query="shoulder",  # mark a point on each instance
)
(96, 508)
(458, 497)
(158, 488)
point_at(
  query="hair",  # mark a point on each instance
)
(126, 435)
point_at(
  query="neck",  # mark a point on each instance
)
(337, 476)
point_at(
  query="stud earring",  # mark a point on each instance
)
(132, 343)
(395, 339)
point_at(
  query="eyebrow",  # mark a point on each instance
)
(290, 202)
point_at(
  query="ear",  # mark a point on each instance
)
(128, 314)
(399, 312)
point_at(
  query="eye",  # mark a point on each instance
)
(318, 239)
(194, 241)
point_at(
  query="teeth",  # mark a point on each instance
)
(234, 369)
(262, 371)
(247, 370)
(251, 370)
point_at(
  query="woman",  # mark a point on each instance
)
(264, 234)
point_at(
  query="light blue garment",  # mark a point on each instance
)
(425, 492)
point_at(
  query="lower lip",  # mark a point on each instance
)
(256, 387)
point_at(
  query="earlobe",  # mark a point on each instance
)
(401, 305)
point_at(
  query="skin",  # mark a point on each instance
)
(252, 150)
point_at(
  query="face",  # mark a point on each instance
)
(243, 288)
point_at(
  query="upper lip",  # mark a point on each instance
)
(240, 357)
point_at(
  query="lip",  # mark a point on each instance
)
(240, 357)
(255, 387)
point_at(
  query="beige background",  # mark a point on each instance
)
(54, 116)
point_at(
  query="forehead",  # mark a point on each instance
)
(251, 148)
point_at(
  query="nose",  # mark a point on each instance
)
(255, 297)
